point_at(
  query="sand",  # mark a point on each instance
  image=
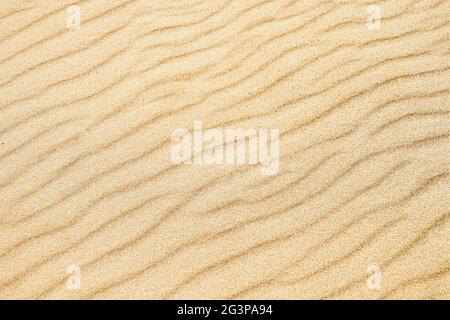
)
(92, 205)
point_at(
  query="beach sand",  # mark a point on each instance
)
(93, 206)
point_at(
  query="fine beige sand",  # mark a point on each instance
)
(359, 208)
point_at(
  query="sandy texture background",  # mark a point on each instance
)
(87, 181)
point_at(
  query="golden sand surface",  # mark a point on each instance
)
(92, 205)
